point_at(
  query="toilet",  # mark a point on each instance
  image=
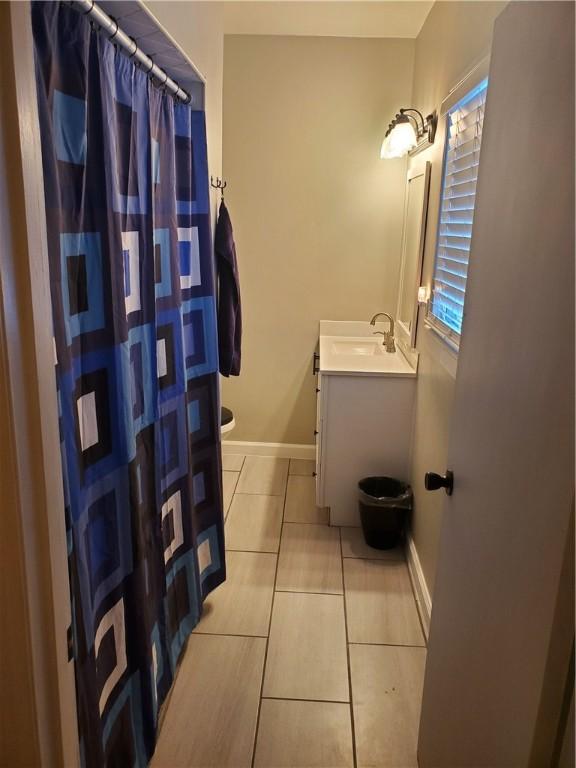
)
(227, 422)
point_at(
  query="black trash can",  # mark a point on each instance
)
(384, 504)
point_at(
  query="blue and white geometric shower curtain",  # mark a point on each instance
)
(132, 282)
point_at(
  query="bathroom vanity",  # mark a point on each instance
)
(364, 413)
(367, 380)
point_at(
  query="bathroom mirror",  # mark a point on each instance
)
(415, 213)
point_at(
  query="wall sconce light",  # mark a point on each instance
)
(408, 133)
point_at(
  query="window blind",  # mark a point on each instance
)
(461, 159)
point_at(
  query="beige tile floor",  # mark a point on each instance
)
(311, 655)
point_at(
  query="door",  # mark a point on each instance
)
(499, 641)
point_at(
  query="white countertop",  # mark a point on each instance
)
(351, 348)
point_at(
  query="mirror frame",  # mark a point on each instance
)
(417, 169)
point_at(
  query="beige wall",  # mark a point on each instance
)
(317, 214)
(198, 28)
(454, 37)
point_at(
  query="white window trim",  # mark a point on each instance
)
(474, 77)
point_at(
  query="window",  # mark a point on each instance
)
(458, 198)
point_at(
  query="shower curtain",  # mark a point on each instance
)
(132, 282)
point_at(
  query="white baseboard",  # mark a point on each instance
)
(421, 592)
(279, 450)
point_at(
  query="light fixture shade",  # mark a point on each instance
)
(408, 132)
(389, 149)
(403, 139)
(400, 138)
(385, 150)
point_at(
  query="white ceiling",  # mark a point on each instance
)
(341, 18)
(137, 21)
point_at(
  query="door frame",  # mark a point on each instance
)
(33, 432)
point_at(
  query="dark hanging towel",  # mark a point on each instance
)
(229, 309)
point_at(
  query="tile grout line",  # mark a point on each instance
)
(263, 637)
(253, 551)
(320, 525)
(374, 559)
(313, 701)
(233, 494)
(246, 493)
(308, 592)
(269, 626)
(352, 725)
(226, 634)
(387, 645)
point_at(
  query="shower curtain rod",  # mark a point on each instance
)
(127, 43)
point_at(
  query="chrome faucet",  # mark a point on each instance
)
(388, 340)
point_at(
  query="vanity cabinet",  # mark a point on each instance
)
(363, 427)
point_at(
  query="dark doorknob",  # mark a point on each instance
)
(432, 481)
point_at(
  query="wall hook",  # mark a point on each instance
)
(218, 184)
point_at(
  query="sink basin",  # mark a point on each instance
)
(350, 347)
(356, 347)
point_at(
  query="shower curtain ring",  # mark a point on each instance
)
(113, 35)
(89, 11)
(131, 56)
